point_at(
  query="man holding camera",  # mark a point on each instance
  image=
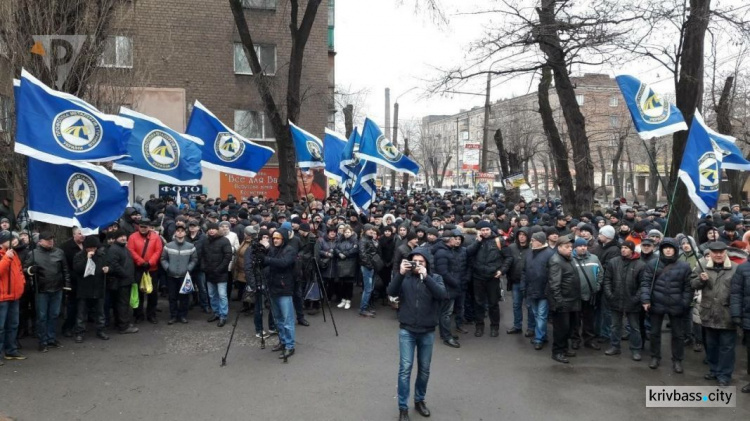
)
(420, 295)
(279, 272)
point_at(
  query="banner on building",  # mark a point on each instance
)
(514, 181)
(185, 191)
(484, 182)
(471, 156)
(266, 183)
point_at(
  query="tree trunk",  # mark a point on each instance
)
(550, 44)
(546, 177)
(499, 143)
(558, 152)
(349, 119)
(603, 183)
(616, 166)
(536, 177)
(445, 168)
(631, 175)
(653, 175)
(553, 171)
(736, 179)
(689, 92)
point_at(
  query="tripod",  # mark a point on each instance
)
(318, 276)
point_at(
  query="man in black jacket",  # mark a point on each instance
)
(445, 266)
(564, 295)
(70, 248)
(608, 250)
(279, 273)
(489, 257)
(514, 272)
(47, 267)
(217, 255)
(120, 278)
(91, 287)
(420, 294)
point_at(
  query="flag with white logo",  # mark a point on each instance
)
(375, 147)
(653, 116)
(308, 147)
(333, 146)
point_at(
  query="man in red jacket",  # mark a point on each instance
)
(11, 288)
(145, 246)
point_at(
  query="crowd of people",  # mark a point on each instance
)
(601, 277)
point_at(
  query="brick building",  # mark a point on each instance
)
(173, 52)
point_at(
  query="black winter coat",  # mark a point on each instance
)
(198, 242)
(347, 267)
(401, 253)
(534, 278)
(327, 264)
(445, 266)
(462, 266)
(52, 268)
(564, 287)
(671, 293)
(279, 268)
(608, 252)
(121, 267)
(516, 257)
(739, 299)
(622, 283)
(368, 248)
(92, 286)
(487, 257)
(217, 255)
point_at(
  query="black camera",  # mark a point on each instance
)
(259, 252)
(412, 264)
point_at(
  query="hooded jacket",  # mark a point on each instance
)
(667, 291)
(419, 299)
(126, 222)
(279, 267)
(514, 263)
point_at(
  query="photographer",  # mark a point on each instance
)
(420, 296)
(252, 260)
(279, 273)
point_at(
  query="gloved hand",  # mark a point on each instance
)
(342, 256)
(145, 266)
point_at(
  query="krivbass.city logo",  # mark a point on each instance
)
(77, 131)
(691, 397)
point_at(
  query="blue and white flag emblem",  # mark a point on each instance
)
(224, 149)
(160, 153)
(333, 146)
(701, 165)
(75, 194)
(652, 115)
(375, 147)
(349, 159)
(58, 127)
(308, 147)
(363, 189)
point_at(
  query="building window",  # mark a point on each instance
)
(253, 125)
(614, 121)
(5, 118)
(266, 56)
(579, 99)
(610, 180)
(614, 101)
(331, 13)
(628, 187)
(117, 52)
(259, 4)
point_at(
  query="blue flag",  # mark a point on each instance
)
(309, 148)
(375, 147)
(224, 149)
(701, 165)
(76, 194)
(349, 159)
(58, 127)
(333, 146)
(362, 190)
(652, 115)
(160, 153)
(732, 158)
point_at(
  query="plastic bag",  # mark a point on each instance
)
(187, 285)
(134, 299)
(90, 268)
(146, 285)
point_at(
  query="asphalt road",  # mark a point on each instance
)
(173, 372)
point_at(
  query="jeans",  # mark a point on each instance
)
(636, 343)
(563, 323)
(219, 301)
(283, 314)
(258, 319)
(407, 341)
(178, 303)
(47, 310)
(367, 282)
(583, 331)
(518, 310)
(487, 294)
(720, 352)
(446, 311)
(678, 336)
(602, 318)
(199, 281)
(9, 311)
(540, 308)
(84, 306)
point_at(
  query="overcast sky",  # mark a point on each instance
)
(384, 43)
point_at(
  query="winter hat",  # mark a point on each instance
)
(580, 242)
(484, 224)
(212, 226)
(655, 233)
(539, 236)
(304, 227)
(432, 231)
(629, 244)
(5, 236)
(607, 231)
(91, 241)
(251, 230)
(286, 225)
(411, 236)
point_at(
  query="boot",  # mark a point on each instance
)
(479, 331)
(403, 415)
(494, 331)
(654, 364)
(677, 367)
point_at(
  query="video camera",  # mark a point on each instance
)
(259, 252)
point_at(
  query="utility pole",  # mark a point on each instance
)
(485, 133)
(394, 139)
(458, 153)
(388, 123)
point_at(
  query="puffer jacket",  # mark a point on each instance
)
(327, 264)
(368, 248)
(11, 277)
(445, 266)
(217, 255)
(279, 267)
(419, 299)
(53, 272)
(136, 243)
(588, 266)
(715, 293)
(534, 275)
(739, 301)
(608, 251)
(462, 266)
(487, 257)
(121, 267)
(178, 258)
(515, 260)
(563, 288)
(671, 292)
(347, 267)
(622, 283)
